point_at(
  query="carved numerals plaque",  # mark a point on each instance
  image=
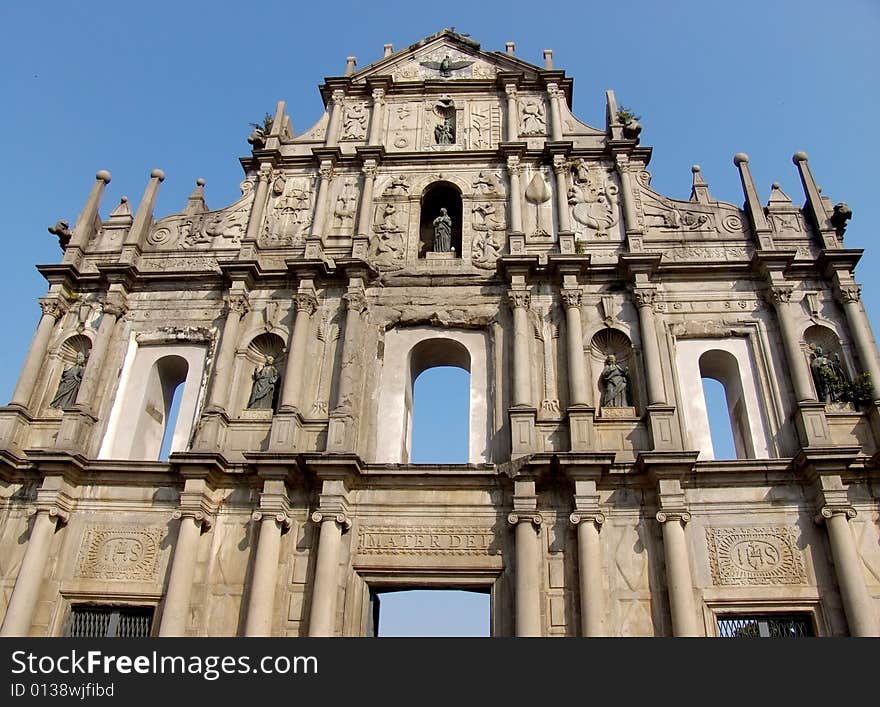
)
(425, 541)
(118, 552)
(750, 556)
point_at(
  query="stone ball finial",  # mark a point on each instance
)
(695, 169)
(740, 158)
(775, 185)
(104, 176)
(157, 174)
(200, 182)
(123, 200)
(799, 157)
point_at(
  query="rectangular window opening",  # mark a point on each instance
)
(798, 625)
(100, 621)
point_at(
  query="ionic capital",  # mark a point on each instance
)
(282, 519)
(681, 515)
(54, 512)
(595, 517)
(519, 299)
(571, 299)
(341, 518)
(305, 302)
(830, 510)
(202, 519)
(536, 519)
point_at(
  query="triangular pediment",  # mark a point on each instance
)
(445, 56)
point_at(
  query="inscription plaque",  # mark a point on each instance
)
(115, 552)
(749, 556)
(425, 541)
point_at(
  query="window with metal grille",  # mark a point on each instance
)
(765, 626)
(91, 621)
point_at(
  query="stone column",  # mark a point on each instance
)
(20, 612)
(337, 105)
(528, 579)
(365, 214)
(780, 296)
(630, 213)
(519, 303)
(850, 296)
(258, 208)
(678, 573)
(53, 309)
(262, 595)
(93, 373)
(511, 126)
(578, 387)
(175, 615)
(589, 570)
(857, 603)
(377, 117)
(560, 169)
(342, 431)
(325, 173)
(555, 111)
(644, 299)
(513, 169)
(236, 307)
(306, 303)
(321, 619)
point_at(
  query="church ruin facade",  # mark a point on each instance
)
(448, 209)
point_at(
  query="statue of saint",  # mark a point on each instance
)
(444, 133)
(614, 380)
(263, 393)
(825, 377)
(442, 232)
(68, 387)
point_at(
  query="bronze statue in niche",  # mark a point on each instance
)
(265, 381)
(614, 380)
(68, 387)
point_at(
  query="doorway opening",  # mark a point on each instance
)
(430, 613)
(441, 416)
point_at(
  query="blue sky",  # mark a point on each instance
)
(132, 87)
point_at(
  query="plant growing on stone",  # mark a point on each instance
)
(859, 391)
(266, 126)
(626, 115)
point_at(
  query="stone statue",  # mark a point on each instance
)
(68, 387)
(825, 377)
(444, 133)
(442, 232)
(263, 393)
(614, 380)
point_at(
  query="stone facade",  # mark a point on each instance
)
(297, 318)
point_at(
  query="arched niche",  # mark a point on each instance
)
(407, 353)
(64, 358)
(251, 358)
(821, 340)
(730, 362)
(612, 342)
(151, 373)
(436, 196)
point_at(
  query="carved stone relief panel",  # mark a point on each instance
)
(483, 126)
(532, 116)
(354, 120)
(593, 197)
(289, 213)
(115, 552)
(402, 126)
(343, 211)
(754, 556)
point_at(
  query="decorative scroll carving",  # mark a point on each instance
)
(119, 553)
(424, 540)
(754, 556)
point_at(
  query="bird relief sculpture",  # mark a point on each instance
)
(446, 66)
(593, 201)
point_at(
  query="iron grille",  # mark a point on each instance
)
(766, 626)
(88, 621)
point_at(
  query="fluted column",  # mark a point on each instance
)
(555, 111)
(262, 594)
(644, 299)
(325, 174)
(780, 296)
(321, 619)
(20, 612)
(258, 208)
(306, 303)
(589, 571)
(175, 614)
(560, 169)
(630, 213)
(365, 214)
(337, 105)
(377, 116)
(578, 387)
(514, 168)
(511, 125)
(858, 605)
(236, 307)
(679, 584)
(850, 296)
(53, 309)
(85, 397)
(519, 303)
(528, 581)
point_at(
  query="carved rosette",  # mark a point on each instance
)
(305, 302)
(519, 299)
(570, 298)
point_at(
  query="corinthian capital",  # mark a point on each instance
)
(237, 303)
(53, 306)
(305, 302)
(513, 165)
(779, 294)
(644, 296)
(570, 298)
(850, 293)
(519, 299)
(355, 301)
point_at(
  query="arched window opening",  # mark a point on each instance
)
(439, 196)
(438, 403)
(430, 613)
(154, 418)
(173, 413)
(722, 368)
